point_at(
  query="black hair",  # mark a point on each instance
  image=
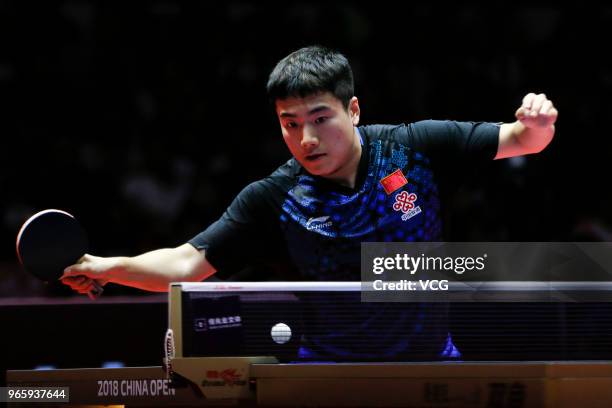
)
(311, 70)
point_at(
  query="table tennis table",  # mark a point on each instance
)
(457, 384)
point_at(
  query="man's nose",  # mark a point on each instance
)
(309, 138)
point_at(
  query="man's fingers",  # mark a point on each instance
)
(545, 108)
(80, 268)
(70, 272)
(76, 270)
(521, 113)
(86, 289)
(78, 282)
(533, 102)
(74, 280)
(528, 100)
(84, 258)
(537, 110)
(552, 115)
(536, 104)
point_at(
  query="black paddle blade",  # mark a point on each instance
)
(48, 242)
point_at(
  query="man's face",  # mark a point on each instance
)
(319, 131)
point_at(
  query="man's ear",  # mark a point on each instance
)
(354, 111)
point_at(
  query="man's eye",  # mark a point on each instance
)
(291, 125)
(320, 119)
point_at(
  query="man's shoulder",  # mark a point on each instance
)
(286, 173)
(384, 131)
(282, 178)
(402, 132)
(272, 187)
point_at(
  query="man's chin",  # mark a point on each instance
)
(314, 170)
(319, 172)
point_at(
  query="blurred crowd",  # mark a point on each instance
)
(144, 119)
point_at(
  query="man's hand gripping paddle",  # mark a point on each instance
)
(50, 241)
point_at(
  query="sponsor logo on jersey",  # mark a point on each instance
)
(394, 181)
(318, 223)
(404, 203)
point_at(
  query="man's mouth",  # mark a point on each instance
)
(314, 157)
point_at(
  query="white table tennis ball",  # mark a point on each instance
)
(281, 333)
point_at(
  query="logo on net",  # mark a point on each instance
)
(212, 323)
(318, 223)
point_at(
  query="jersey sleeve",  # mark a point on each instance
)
(473, 139)
(238, 237)
(445, 138)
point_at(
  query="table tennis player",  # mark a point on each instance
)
(345, 184)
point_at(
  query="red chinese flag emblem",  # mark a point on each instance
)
(394, 181)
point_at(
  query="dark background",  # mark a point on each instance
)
(144, 119)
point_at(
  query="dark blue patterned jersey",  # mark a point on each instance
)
(305, 227)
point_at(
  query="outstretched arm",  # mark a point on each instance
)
(152, 271)
(532, 131)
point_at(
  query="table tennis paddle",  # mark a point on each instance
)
(48, 242)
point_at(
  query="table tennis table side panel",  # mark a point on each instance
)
(539, 384)
(579, 369)
(400, 370)
(547, 384)
(402, 392)
(106, 386)
(79, 374)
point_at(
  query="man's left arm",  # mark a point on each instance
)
(532, 131)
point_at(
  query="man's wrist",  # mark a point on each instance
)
(116, 268)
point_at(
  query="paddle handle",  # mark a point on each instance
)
(96, 291)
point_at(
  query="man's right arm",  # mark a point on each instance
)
(240, 226)
(152, 271)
